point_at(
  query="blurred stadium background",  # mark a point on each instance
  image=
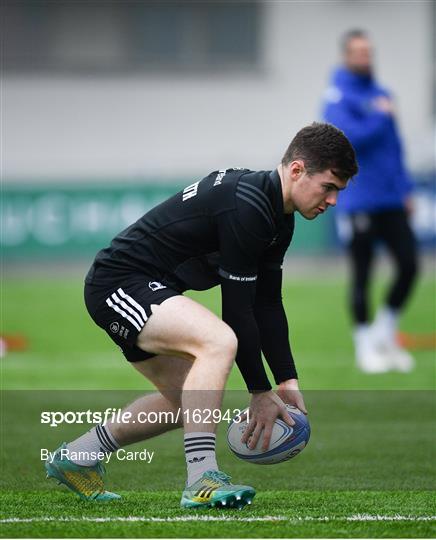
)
(108, 107)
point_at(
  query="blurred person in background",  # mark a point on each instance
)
(377, 205)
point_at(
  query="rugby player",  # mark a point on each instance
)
(231, 228)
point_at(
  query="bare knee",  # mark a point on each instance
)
(222, 344)
(230, 342)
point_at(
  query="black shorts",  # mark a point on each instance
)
(121, 306)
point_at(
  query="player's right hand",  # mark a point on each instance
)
(265, 408)
(289, 392)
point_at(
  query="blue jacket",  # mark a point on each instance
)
(382, 182)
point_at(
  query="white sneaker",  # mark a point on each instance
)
(372, 362)
(368, 358)
(400, 359)
(384, 339)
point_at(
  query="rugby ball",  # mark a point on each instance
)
(286, 441)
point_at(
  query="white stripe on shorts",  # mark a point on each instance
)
(123, 313)
(128, 308)
(132, 302)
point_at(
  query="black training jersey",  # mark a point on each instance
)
(228, 229)
(229, 222)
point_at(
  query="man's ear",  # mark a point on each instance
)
(296, 169)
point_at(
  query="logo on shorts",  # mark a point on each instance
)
(155, 285)
(124, 332)
(114, 327)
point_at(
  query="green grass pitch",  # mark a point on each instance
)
(369, 469)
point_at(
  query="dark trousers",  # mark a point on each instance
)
(393, 229)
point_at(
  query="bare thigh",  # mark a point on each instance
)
(182, 327)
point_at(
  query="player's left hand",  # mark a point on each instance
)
(289, 392)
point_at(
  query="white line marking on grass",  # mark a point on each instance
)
(296, 519)
(141, 519)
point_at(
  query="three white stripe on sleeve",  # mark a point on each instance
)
(128, 308)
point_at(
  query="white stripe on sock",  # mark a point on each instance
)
(199, 454)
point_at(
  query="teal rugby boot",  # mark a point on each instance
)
(214, 489)
(87, 482)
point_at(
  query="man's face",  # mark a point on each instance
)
(313, 195)
(358, 56)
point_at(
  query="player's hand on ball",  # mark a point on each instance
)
(289, 392)
(265, 407)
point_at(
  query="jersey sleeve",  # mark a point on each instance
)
(270, 313)
(243, 236)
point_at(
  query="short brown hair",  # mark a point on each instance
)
(323, 147)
